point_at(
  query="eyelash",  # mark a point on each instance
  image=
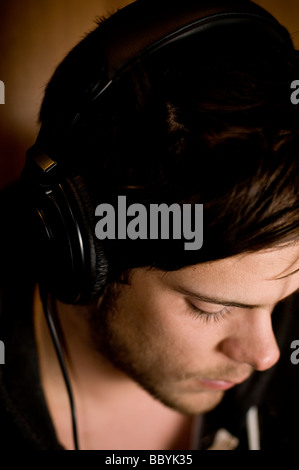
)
(208, 316)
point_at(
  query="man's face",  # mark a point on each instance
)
(187, 336)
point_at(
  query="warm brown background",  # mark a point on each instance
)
(34, 37)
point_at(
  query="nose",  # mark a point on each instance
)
(253, 341)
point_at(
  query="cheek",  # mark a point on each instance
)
(169, 329)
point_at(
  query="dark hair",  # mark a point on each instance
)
(210, 124)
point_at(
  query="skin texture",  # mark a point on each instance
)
(147, 336)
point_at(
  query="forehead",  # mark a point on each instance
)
(259, 278)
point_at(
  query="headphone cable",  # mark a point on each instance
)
(57, 345)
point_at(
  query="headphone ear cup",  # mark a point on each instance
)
(66, 250)
(94, 260)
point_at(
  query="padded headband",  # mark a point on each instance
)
(144, 27)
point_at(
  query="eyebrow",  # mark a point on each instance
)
(227, 303)
(215, 300)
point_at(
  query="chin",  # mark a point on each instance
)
(190, 403)
(203, 403)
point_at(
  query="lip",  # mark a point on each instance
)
(219, 384)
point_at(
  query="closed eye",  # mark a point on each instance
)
(207, 316)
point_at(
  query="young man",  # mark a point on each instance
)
(161, 347)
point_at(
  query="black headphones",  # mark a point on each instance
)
(68, 261)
